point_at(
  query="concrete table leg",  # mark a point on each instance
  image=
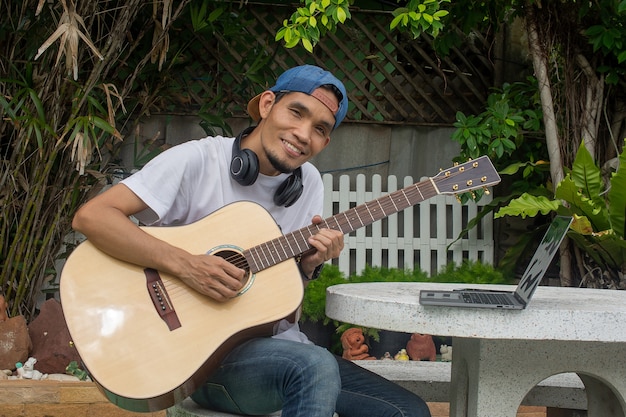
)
(491, 377)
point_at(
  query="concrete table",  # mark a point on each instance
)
(500, 355)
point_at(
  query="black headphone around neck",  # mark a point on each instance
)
(244, 168)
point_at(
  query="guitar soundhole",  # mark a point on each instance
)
(237, 259)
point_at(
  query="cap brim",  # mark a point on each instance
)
(253, 108)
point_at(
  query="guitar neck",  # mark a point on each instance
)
(478, 173)
(296, 243)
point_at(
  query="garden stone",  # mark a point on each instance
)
(52, 345)
(15, 342)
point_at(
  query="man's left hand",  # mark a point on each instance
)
(328, 244)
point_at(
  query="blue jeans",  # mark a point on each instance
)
(265, 375)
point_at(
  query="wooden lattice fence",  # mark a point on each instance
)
(390, 77)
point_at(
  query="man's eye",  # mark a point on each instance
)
(321, 131)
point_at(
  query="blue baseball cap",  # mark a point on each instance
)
(307, 79)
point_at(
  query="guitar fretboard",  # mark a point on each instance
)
(296, 243)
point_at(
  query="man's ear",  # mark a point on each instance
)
(266, 102)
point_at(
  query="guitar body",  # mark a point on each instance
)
(142, 363)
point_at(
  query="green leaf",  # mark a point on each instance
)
(38, 105)
(569, 191)
(617, 198)
(307, 44)
(513, 168)
(528, 205)
(508, 144)
(341, 15)
(587, 175)
(280, 34)
(293, 42)
(396, 21)
(215, 14)
(594, 31)
(7, 108)
(102, 124)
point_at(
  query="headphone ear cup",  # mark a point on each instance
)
(290, 190)
(244, 165)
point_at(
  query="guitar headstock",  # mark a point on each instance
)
(474, 174)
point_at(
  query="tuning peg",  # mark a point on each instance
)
(486, 191)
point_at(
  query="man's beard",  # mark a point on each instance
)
(279, 165)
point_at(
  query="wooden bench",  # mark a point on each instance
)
(431, 381)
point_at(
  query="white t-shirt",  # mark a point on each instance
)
(191, 180)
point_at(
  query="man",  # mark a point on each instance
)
(267, 164)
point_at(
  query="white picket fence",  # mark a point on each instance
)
(423, 236)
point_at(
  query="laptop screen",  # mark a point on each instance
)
(543, 256)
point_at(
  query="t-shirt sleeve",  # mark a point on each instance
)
(160, 182)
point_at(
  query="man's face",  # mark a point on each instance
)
(295, 129)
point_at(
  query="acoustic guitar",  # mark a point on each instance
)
(149, 341)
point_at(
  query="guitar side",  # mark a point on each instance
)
(141, 363)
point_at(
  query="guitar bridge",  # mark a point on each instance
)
(160, 299)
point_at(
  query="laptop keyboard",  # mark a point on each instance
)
(485, 298)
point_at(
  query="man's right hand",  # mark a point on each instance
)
(212, 276)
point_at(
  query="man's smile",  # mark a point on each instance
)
(292, 149)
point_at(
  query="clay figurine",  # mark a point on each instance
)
(401, 355)
(387, 357)
(354, 347)
(29, 370)
(446, 353)
(421, 347)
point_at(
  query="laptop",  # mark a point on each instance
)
(515, 300)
